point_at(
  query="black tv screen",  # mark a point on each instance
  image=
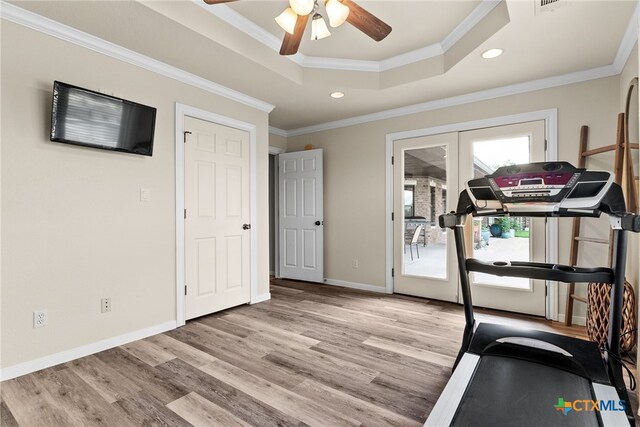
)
(85, 117)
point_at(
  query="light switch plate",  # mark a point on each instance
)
(145, 195)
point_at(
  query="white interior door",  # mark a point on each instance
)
(301, 224)
(217, 235)
(425, 181)
(482, 151)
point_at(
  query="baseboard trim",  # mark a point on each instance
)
(261, 298)
(82, 351)
(575, 320)
(580, 320)
(354, 285)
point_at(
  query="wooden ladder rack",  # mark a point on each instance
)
(632, 202)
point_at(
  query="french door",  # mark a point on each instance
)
(429, 173)
(519, 239)
(426, 183)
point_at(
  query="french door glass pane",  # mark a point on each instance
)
(425, 243)
(500, 238)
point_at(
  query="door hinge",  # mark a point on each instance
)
(393, 271)
(545, 145)
(185, 133)
(185, 289)
(185, 214)
(392, 158)
(546, 287)
(391, 216)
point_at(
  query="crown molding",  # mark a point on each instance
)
(253, 30)
(56, 29)
(340, 64)
(278, 131)
(407, 58)
(243, 24)
(629, 40)
(478, 14)
(467, 24)
(484, 95)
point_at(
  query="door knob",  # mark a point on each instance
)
(318, 222)
(246, 226)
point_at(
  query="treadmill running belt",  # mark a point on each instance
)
(512, 392)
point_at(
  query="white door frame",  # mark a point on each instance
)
(183, 110)
(551, 129)
(276, 210)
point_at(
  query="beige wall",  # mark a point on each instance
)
(73, 228)
(277, 141)
(355, 168)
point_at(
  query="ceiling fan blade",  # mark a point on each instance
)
(217, 1)
(366, 22)
(291, 42)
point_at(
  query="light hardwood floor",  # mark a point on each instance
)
(312, 355)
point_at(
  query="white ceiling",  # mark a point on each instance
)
(433, 52)
(349, 43)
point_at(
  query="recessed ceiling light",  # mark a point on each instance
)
(337, 94)
(492, 53)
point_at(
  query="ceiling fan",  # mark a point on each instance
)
(294, 20)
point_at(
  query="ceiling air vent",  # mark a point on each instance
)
(543, 6)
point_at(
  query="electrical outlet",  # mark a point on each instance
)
(39, 318)
(355, 263)
(105, 305)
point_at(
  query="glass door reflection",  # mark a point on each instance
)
(425, 195)
(500, 238)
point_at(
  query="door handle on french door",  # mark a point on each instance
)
(246, 226)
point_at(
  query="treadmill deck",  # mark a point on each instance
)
(511, 392)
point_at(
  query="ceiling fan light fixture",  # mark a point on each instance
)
(492, 53)
(302, 7)
(337, 12)
(287, 20)
(319, 28)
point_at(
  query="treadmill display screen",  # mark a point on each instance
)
(537, 181)
(538, 189)
(540, 178)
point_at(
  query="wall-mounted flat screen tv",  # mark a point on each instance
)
(85, 117)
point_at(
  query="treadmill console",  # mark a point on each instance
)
(539, 188)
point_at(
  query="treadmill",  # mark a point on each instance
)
(507, 376)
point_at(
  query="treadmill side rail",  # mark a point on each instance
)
(445, 408)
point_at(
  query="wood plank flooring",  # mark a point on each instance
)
(312, 355)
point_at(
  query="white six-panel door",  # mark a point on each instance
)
(301, 215)
(217, 247)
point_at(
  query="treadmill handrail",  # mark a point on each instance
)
(541, 271)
